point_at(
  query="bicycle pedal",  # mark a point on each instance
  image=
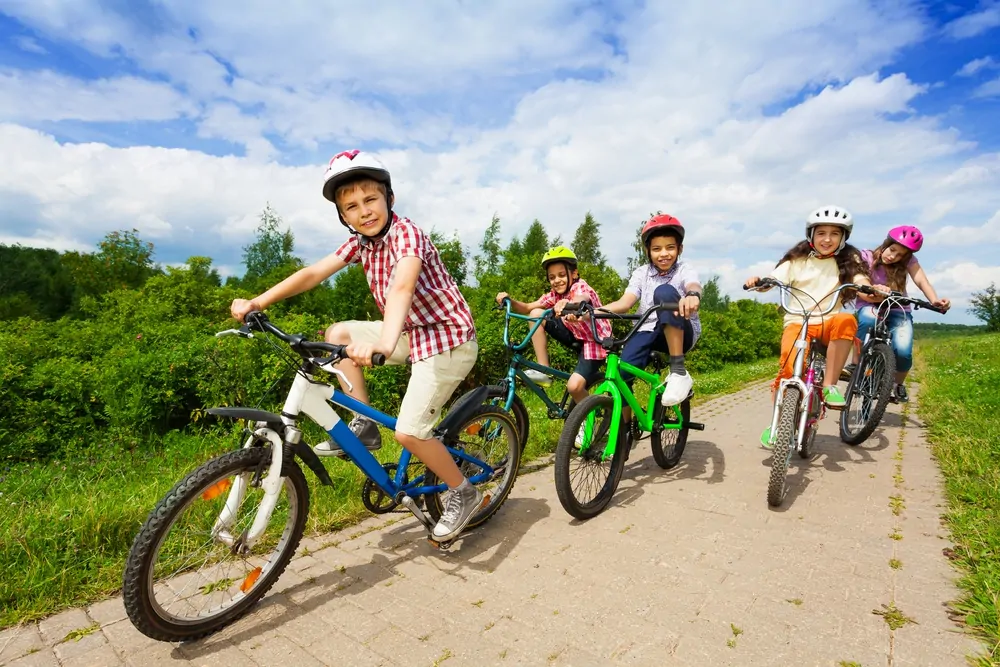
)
(440, 546)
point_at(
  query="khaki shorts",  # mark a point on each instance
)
(432, 380)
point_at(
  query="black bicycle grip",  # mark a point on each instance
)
(575, 308)
(378, 359)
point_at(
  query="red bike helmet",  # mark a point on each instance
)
(660, 223)
(908, 237)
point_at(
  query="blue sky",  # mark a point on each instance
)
(183, 119)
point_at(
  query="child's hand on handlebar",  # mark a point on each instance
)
(240, 308)
(944, 304)
(751, 283)
(361, 353)
(688, 306)
(501, 296)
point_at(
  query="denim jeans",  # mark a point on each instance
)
(900, 330)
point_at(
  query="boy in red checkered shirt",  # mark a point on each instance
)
(560, 266)
(417, 297)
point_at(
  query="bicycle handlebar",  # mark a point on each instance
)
(900, 298)
(585, 307)
(256, 320)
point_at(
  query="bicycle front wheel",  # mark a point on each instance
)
(586, 479)
(868, 393)
(190, 571)
(784, 443)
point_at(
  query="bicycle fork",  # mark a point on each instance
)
(272, 487)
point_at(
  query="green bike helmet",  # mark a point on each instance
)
(559, 254)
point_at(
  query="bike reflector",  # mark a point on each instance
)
(251, 579)
(216, 490)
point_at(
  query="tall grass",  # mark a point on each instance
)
(960, 402)
(66, 526)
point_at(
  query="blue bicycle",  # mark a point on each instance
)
(218, 541)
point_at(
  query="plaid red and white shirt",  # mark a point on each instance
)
(439, 318)
(581, 330)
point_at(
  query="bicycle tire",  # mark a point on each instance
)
(497, 395)
(567, 451)
(669, 456)
(145, 612)
(435, 504)
(784, 442)
(864, 385)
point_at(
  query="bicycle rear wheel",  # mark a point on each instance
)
(784, 443)
(868, 393)
(188, 573)
(668, 444)
(585, 479)
(490, 435)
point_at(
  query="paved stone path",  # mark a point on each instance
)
(687, 567)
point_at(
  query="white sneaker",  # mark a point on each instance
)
(538, 377)
(677, 389)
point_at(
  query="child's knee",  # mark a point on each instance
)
(576, 383)
(338, 334)
(666, 294)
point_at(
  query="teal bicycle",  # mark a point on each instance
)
(593, 446)
(503, 394)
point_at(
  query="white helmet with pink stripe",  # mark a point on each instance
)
(350, 166)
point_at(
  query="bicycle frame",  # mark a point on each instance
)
(805, 382)
(518, 361)
(313, 399)
(615, 386)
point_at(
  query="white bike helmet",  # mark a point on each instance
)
(351, 166)
(830, 215)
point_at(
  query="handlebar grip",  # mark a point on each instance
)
(378, 359)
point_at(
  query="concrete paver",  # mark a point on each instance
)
(686, 567)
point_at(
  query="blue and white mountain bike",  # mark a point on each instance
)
(218, 541)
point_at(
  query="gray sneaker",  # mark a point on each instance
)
(460, 505)
(367, 432)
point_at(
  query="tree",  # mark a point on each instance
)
(488, 261)
(271, 249)
(986, 307)
(536, 241)
(587, 242)
(712, 298)
(202, 271)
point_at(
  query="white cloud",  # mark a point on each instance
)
(48, 96)
(55, 242)
(973, 66)
(958, 235)
(974, 24)
(958, 281)
(29, 44)
(988, 89)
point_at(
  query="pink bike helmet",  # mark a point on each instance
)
(907, 236)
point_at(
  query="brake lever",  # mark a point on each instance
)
(242, 332)
(329, 368)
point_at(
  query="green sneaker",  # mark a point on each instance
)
(765, 439)
(833, 398)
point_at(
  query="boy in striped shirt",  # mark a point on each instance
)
(425, 318)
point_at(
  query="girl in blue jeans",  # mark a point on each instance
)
(890, 264)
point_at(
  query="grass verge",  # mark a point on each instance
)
(66, 526)
(959, 402)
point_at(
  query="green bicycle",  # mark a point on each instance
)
(593, 447)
